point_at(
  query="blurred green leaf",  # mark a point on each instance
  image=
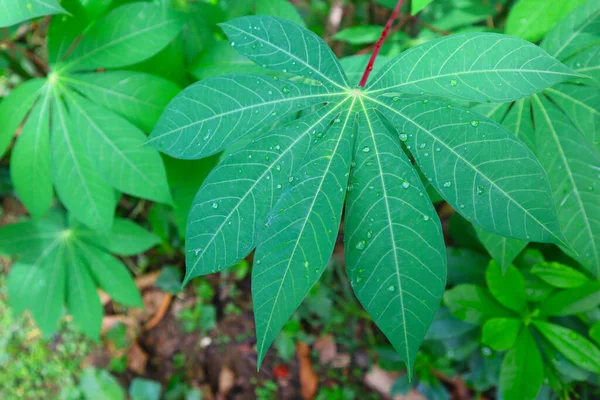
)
(559, 275)
(572, 301)
(507, 288)
(532, 19)
(363, 34)
(572, 345)
(100, 385)
(522, 373)
(474, 304)
(501, 333)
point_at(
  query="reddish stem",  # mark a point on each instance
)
(379, 43)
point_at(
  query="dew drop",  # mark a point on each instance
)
(291, 179)
(369, 234)
(422, 145)
(361, 244)
(395, 99)
(366, 149)
(306, 264)
(425, 101)
(474, 123)
(453, 83)
(403, 137)
(391, 288)
(486, 351)
(425, 217)
(405, 184)
(279, 186)
(285, 90)
(447, 184)
(233, 43)
(480, 189)
(215, 205)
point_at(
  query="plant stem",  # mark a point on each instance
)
(379, 43)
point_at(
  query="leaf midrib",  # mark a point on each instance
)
(392, 238)
(241, 110)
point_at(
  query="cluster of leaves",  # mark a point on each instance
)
(518, 313)
(283, 193)
(62, 262)
(84, 132)
(560, 125)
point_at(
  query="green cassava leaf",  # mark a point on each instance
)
(473, 66)
(499, 190)
(580, 299)
(572, 167)
(572, 345)
(137, 96)
(30, 159)
(388, 216)
(127, 35)
(299, 229)
(559, 275)
(577, 31)
(236, 208)
(15, 11)
(503, 250)
(78, 184)
(215, 113)
(522, 372)
(305, 143)
(582, 106)
(63, 30)
(128, 238)
(508, 287)
(80, 294)
(531, 19)
(116, 149)
(282, 45)
(501, 333)
(111, 275)
(14, 108)
(59, 264)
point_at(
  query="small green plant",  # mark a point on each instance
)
(519, 314)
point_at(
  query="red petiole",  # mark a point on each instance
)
(379, 43)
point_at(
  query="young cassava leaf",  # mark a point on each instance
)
(62, 263)
(284, 191)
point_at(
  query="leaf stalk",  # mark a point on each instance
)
(379, 43)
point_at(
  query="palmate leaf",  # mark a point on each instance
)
(283, 192)
(62, 263)
(72, 139)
